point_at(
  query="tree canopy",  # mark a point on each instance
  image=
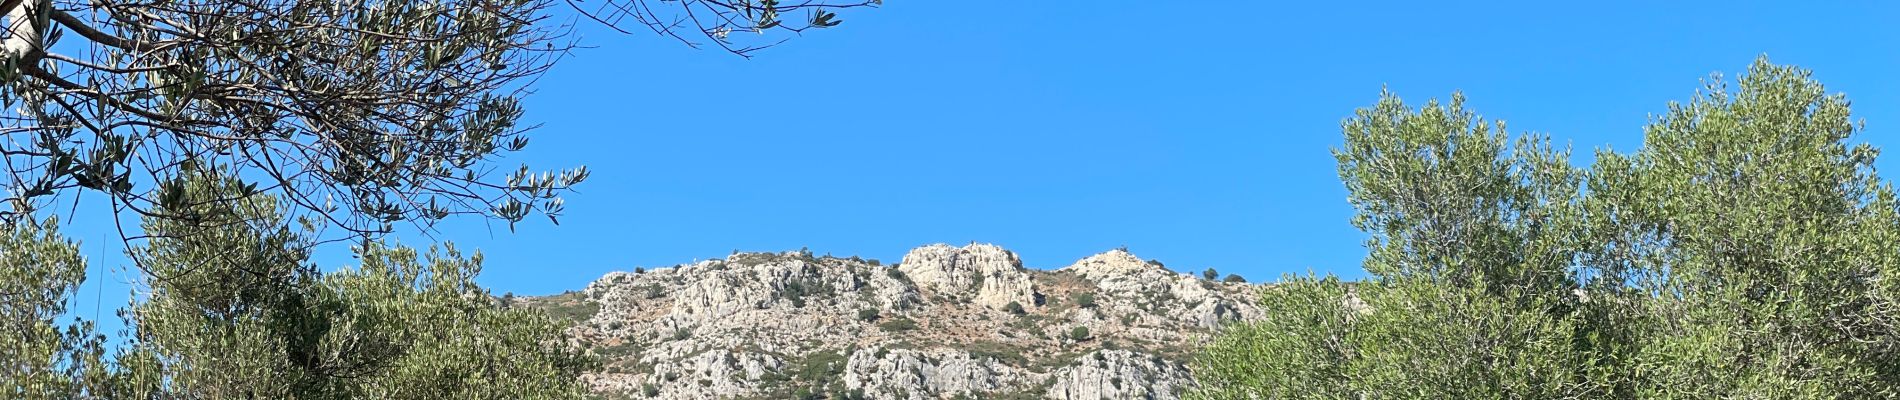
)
(240, 132)
(235, 310)
(356, 115)
(1746, 250)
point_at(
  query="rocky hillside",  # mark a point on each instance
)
(946, 322)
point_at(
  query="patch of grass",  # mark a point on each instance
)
(567, 309)
(899, 324)
(616, 351)
(1027, 323)
(1084, 299)
(821, 366)
(1008, 354)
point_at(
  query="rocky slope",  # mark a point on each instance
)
(946, 322)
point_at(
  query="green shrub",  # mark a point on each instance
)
(868, 314)
(898, 325)
(1084, 299)
(1079, 333)
(1745, 249)
(821, 366)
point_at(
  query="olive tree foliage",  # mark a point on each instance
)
(1746, 250)
(1749, 248)
(361, 114)
(241, 132)
(357, 115)
(38, 358)
(235, 310)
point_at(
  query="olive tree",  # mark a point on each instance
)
(234, 309)
(358, 115)
(39, 359)
(1746, 250)
(240, 133)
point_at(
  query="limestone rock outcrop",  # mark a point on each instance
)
(1146, 285)
(993, 277)
(936, 326)
(1120, 374)
(912, 374)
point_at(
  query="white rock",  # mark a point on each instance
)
(1119, 374)
(995, 277)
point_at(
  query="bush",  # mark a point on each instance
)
(1745, 249)
(898, 325)
(648, 390)
(1210, 274)
(1079, 333)
(868, 314)
(821, 366)
(1231, 278)
(1085, 300)
(1015, 308)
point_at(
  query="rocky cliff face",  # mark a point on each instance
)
(947, 322)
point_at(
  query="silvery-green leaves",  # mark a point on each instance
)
(1746, 250)
(234, 309)
(360, 116)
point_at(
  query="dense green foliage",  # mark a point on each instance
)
(38, 358)
(899, 324)
(1747, 250)
(223, 125)
(355, 114)
(1084, 299)
(234, 310)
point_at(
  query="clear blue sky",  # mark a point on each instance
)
(1192, 133)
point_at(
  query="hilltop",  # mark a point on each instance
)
(945, 322)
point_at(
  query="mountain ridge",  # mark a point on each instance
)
(945, 322)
